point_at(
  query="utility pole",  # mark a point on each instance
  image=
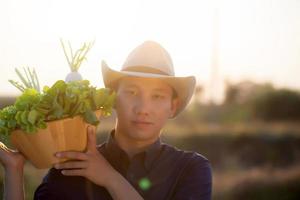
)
(214, 86)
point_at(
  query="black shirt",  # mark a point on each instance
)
(160, 172)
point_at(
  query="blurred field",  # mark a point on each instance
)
(251, 159)
(246, 165)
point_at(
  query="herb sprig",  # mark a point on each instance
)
(75, 59)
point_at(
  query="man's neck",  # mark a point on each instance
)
(130, 146)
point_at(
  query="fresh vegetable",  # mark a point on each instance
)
(32, 109)
(29, 80)
(7, 119)
(75, 60)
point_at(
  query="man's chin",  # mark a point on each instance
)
(142, 135)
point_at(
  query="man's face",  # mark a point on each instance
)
(143, 106)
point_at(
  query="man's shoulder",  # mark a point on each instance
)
(191, 157)
(191, 167)
(193, 174)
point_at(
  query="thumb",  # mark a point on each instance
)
(91, 144)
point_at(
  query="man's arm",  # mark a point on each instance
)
(57, 186)
(93, 166)
(119, 186)
(13, 164)
(14, 185)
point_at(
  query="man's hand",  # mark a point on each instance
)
(13, 162)
(11, 159)
(90, 164)
(93, 166)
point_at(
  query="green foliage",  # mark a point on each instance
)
(27, 117)
(75, 60)
(29, 80)
(262, 101)
(7, 119)
(247, 149)
(247, 101)
(280, 104)
(32, 109)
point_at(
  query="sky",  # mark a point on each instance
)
(257, 40)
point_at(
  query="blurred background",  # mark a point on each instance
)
(245, 54)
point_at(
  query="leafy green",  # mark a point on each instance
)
(7, 119)
(7, 122)
(28, 99)
(30, 81)
(32, 109)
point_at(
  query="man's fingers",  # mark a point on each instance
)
(71, 165)
(92, 142)
(5, 148)
(74, 172)
(72, 155)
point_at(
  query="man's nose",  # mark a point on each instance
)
(142, 106)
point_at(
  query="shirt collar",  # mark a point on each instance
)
(116, 152)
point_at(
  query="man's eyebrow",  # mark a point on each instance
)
(160, 89)
(130, 85)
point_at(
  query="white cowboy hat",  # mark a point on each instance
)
(151, 60)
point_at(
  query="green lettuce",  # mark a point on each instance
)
(32, 110)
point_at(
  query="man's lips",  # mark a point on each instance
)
(141, 122)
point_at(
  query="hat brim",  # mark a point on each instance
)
(184, 86)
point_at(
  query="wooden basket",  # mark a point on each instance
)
(68, 134)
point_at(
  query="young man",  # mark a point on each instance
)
(133, 163)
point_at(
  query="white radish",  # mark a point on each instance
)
(73, 76)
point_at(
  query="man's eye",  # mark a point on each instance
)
(131, 92)
(158, 96)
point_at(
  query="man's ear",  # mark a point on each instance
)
(174, 106)
(115, 90)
